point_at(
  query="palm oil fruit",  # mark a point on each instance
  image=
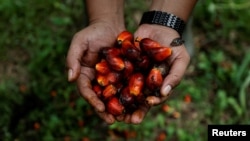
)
(129, 71)
(115, 107)
(124, 35)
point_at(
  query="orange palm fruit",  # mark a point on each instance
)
(137, 42)
(130, 51)
(115, 62)
(102, 79)
(159, 54)
(154, 79)
(108, 91)
(124, 35)
(136, 83)
(129, 68)
(102, 67)
(114, 106)
(147, 43)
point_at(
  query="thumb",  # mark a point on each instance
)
(73, 60)
(175, 75)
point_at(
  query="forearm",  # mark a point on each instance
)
(106, 11)
(180, 8)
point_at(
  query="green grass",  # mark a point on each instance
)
(37, 102)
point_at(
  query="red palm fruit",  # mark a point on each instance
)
(154, 79)
(114, 106)
(133, 54)
(97, 89)
(159, 54)
(147, 43)
(113, 77)
(130, 51)
(102, 79)
(109, 91)
(102, 67)
(116, 63)
(126, 98)
(129, 68)
(136, 83)
(124, 35)
(125, 46)
(143, 63)
(107, 51)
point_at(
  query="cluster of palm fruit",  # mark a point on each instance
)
(129, 72)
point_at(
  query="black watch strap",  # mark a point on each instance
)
(165, 19)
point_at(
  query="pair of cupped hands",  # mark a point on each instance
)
(83, 55)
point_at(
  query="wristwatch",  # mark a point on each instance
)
(164, 19)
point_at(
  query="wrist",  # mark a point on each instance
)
(116, 26)
(106, 11)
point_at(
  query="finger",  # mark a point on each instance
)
(138, 116)
(127, 118)
(154, 100)
(73, 61)
(176, 73)
(85, 88)
(120, 117)
(108, 118)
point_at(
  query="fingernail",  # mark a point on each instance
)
(137, 119)
(166, 90)
(70, 74)
(149, 102)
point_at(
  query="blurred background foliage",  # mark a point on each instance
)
(37, 103)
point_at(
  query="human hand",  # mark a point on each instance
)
(82, 57)
(177, 62)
